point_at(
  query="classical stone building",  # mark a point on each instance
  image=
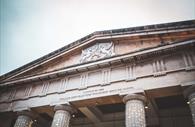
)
(133, 77)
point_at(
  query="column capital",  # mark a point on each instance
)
(189, 91)
(65, 107)
(134, 97)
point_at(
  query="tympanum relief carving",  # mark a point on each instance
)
(97, 51)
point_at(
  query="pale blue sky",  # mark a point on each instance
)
(33, 28)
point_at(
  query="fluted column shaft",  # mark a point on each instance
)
(135, 112)
(190, 94)
(192, 106)
(62, 116)
(23, 120)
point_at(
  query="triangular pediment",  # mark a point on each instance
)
(78, 56)
(102, 45)
(90, 52)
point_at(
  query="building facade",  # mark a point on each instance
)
(133, 77)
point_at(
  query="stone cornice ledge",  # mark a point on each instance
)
(102, 62)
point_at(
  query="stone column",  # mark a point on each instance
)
(190, 94)
(24, 119)
(62, 115)
(135, 112)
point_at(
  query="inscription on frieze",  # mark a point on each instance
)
(99, 92)
(97, 51)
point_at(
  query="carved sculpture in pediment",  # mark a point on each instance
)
(97, 51)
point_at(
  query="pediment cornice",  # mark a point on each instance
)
(133, 57)
(100, 35)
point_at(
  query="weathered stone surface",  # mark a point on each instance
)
(190, 94)
(135, 113)
(23, 120)
(192, 106)
(62, 115)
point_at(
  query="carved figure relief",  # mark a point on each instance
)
(97, 51)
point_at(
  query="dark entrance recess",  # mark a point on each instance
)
(112, 108)
(176, 101)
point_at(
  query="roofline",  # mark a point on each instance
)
(131, 30)
(101, 63)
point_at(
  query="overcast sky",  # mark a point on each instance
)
(33, 28)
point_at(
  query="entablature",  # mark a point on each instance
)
(156, 70)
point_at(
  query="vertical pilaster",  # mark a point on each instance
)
(24, 120)
(106, 76)
(134, 111)
(83, 80)
(130, 72)
(62, 115)
(190, 94)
